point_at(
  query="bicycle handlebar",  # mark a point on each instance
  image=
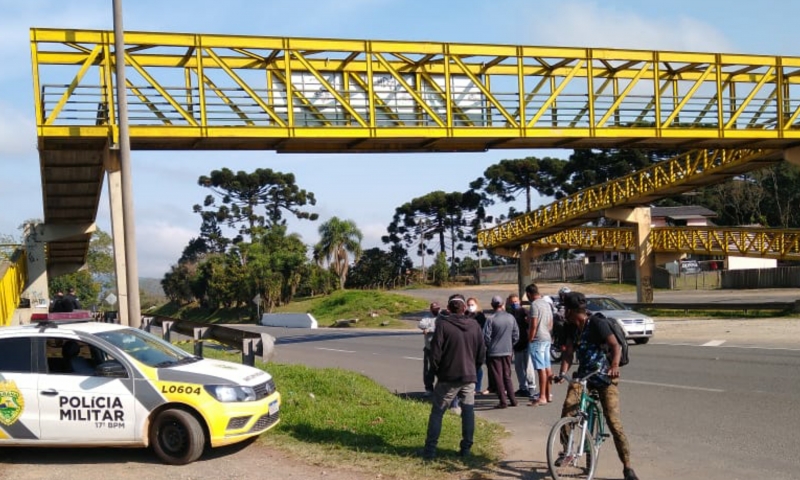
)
(583, 379)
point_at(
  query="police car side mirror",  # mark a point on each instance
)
(111, 369)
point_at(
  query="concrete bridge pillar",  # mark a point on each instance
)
(644, 249)
(112, 166)
(36, 237)
(792, 155)
(526, 255)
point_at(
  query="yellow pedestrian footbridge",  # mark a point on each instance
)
(729, 113)
(707, 240)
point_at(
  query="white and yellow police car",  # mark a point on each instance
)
(69, 383)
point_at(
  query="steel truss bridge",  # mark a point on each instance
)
(190, 91)
(749, 242)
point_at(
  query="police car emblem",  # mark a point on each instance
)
(11, 403)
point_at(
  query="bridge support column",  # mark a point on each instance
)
(36, 237)
(117, 232)
(644, 250)
(523, 269)
(36, 290)
(526, 254)
(792, 155)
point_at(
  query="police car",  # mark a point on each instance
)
(66, 381)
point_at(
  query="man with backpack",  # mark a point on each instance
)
(593, 339)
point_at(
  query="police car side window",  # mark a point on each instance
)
(16, 356)
(72, 357)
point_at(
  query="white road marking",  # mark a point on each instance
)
(669, 385)
(335, 350)
(713, 343)
(748, 347)
(414, 358)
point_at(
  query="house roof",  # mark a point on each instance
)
(682, 212)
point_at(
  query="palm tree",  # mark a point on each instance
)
(337, 238)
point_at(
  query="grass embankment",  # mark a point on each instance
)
(723, 314)
(372, 308)
(333, 417)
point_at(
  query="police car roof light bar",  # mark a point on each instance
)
(46, 320)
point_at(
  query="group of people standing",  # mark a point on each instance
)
(461, 338)
(65, 303)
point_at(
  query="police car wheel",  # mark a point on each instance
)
(177, 437)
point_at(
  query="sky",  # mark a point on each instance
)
(365, 188)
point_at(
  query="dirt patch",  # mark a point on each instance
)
(229, 463)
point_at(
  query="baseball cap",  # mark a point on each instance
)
(497, 300)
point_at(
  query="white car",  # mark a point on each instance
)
(69, 383)
(638, 326)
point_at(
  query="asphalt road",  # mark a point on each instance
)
(485, 292)
(690, 411)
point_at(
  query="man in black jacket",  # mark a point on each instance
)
(456, 349)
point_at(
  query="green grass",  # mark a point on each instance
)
(351, 304)
(195, 313)
(372, 308)
(333, 417)
(694, 313)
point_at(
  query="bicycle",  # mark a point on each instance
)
(573, 444)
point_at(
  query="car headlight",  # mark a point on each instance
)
(227, 393)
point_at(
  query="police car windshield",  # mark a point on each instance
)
(146, 348)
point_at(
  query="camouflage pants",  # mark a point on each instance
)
(609, 399)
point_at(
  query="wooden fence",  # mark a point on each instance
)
(780, 277)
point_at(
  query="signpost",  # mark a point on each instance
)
(257, 301)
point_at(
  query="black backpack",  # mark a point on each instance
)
(619, 332)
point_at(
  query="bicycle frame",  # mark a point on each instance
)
(585, 436)
(591, 411)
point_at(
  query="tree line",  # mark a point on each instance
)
(243, 248)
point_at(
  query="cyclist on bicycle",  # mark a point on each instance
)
(597, 348)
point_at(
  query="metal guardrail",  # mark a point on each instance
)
(791, 307)
(252, 345)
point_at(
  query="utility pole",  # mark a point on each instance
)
(131, 266)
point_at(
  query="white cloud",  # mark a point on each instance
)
(17, 132)
(158, 246)
(19, 17)
(591, 24)
(372, 235)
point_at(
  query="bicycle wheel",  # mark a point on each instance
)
(565, 457)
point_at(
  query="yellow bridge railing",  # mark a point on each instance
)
(306, 94)
(782, 244)
(676, 175)
(13, 277)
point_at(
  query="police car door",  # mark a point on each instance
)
(19, 403)
(76, 404)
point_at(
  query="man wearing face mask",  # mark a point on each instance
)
(474, 311)
(522, 362)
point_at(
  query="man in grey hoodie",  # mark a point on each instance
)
(501, 333)
(456, 349)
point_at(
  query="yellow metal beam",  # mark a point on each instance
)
(654, 181)
(504, 83)
(781, 244)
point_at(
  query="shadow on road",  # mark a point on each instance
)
(102, 455)
(338, 335)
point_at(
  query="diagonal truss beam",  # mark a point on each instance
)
(781, 244)
(654, 181)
